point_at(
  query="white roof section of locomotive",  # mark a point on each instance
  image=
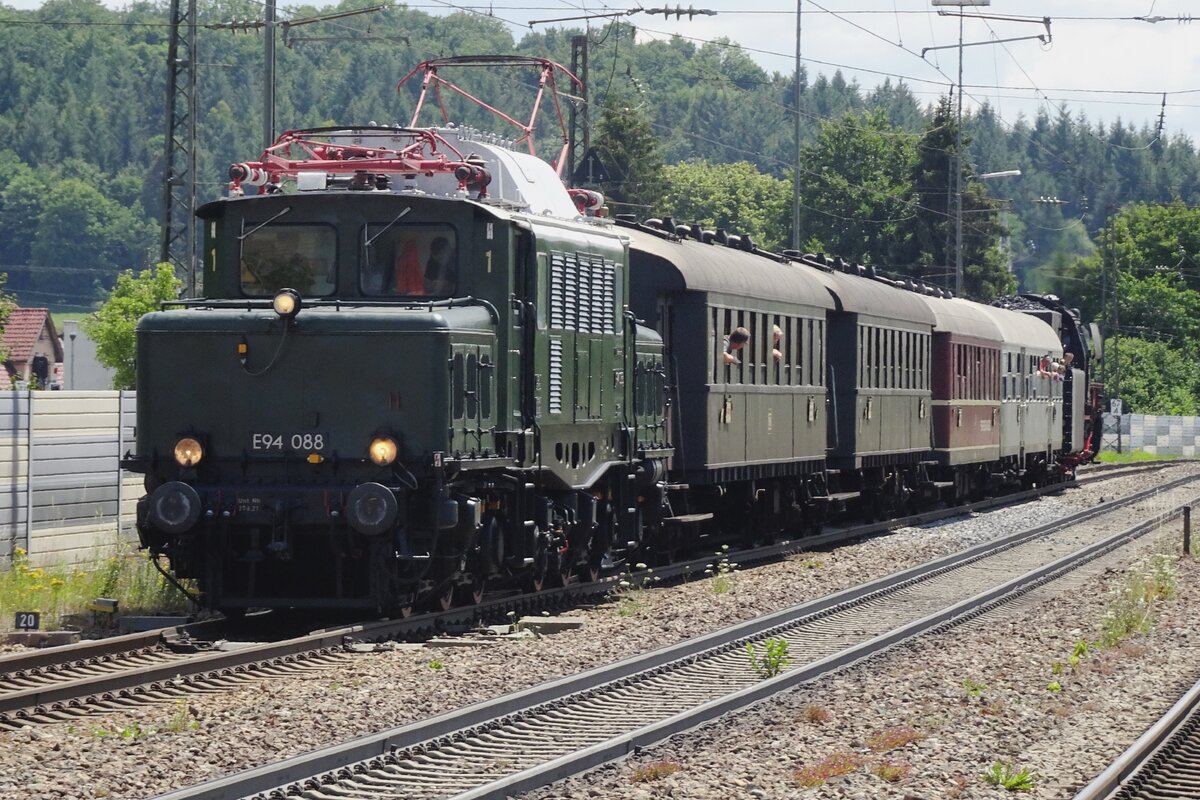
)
(1024, 331)
(962, 317)
(519, 180)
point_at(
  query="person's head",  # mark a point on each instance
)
(1068, 358)
(439, 250)
(777, 333)
(738, 338)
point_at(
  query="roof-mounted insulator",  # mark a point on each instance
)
(746, 243)
(697, 232)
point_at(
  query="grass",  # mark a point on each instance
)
(1009, 777)
(722, 572)
(773, 659)
(181, 720)
(830, 767)
(56, 591)
(893, 738)
(891, 771)
(655, 771)
(815, 714)
(1132, 457)
(1132, 607)
(630, 592)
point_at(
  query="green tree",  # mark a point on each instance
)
(931, 234)
(7, 304)
(112, 327)
(855, 191)
(1158, 377)
(630, 151)
(736, 197)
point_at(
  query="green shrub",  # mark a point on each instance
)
(55, 591)
(1009, 777)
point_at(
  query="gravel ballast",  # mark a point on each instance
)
(968, 698)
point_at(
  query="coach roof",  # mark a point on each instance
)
(963, 317)
(688, 264)
(861, 295)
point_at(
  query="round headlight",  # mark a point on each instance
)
(286, 303)
(382, 450)
(188, 452)
(174, 507)
(371, 508)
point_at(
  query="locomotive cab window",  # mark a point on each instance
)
(279, 256)
(408, 260)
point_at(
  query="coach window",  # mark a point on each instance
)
(277, 256)
(910, 360)
(409, 260)
(884, 360)
(877, 365)
(813, 353)
(872, 358)
(867, 356)
(960, 371)
(897, 359)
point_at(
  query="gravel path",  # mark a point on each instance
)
(976, 696)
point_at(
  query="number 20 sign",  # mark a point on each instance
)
(28, 620)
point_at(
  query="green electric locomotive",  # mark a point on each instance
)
(413, 372)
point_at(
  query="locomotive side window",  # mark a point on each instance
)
(485, 386)
(408, 260)
(278, 256)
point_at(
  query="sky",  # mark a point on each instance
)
(1100, 58)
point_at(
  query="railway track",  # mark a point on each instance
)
(58, 684)
(535, 737)
(1163, 764)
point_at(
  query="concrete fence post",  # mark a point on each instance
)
(29, 476)
(120, 454)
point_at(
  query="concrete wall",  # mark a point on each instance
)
(81, 369)
(63, 496)
(1167, 436)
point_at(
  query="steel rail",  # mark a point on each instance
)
(93, 649)
(1173, 737)
(338, 759)
(25, 705)
(956, 614)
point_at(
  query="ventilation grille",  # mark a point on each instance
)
(556, 376)
(583, 293)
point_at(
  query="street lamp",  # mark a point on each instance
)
(958, 264)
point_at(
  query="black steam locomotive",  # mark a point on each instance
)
(423, 367)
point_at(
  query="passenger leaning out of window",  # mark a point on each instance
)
(736, 340)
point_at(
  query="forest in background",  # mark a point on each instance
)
(697, 131)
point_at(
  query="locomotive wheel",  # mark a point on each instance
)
(535, 582)
(472, 593)
(589, 573)
(445, 600)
